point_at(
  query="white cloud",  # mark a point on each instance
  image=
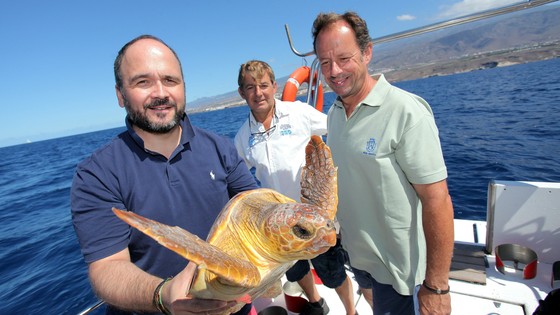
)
(406, 17)
(466, 7)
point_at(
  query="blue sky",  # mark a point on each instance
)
(56, 57)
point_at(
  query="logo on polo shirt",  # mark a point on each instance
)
(212, 176)
(285, 129)
(371, 147)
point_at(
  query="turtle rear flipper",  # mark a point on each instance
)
(191, 247)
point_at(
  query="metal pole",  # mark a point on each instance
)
(292, 45)
(462, 20)
(92, 308)
(441, 25)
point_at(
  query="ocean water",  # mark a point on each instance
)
(501, 123)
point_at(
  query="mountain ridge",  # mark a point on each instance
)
(501, 41)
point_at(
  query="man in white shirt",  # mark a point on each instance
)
(272, 140)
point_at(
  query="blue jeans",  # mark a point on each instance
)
(329, 267)
(386, 301)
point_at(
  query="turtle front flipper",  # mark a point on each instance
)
(200, 252)
(319, 177)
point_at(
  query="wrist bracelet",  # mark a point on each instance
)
(157, 301)
(436, 291)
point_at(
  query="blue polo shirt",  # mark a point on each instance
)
(188, 190)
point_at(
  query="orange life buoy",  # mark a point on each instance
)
(297, 78)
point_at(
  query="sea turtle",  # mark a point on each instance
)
(258, 235)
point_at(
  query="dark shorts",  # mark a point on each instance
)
(385, 299)
(329, 267)
(245, 310)
(363, 278)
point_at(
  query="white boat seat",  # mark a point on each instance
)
(516, 213)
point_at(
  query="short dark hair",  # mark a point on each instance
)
(358, 25)
(120, 56)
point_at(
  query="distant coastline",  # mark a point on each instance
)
(497, 42)
(502, 58)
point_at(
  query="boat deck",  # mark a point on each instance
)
(523, 220)
(333, 301)
(506, 293)
(477, 287)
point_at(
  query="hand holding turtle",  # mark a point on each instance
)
(177, 300)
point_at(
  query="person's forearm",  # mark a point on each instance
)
(122, 284)
(438, 229)
(437, 222)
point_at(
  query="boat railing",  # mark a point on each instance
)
(315, 77)
(92, 308)
(462, 20)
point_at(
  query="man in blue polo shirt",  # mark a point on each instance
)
(163, 168)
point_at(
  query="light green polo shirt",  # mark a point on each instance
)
(388, 142)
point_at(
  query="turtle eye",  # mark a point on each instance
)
(301, 232)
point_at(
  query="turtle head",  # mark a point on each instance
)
(298, 231)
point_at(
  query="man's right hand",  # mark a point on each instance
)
(178, 301)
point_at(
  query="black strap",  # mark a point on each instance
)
(436, 291)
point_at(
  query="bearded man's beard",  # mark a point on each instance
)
(141, 120)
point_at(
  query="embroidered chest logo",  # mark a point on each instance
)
(212, 176)
(285, 129)
(371, 147)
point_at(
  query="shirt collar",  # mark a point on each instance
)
(255, 126)
(375, 97)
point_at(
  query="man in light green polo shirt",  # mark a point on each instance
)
(394, 210)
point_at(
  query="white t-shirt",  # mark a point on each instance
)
(279, 155)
